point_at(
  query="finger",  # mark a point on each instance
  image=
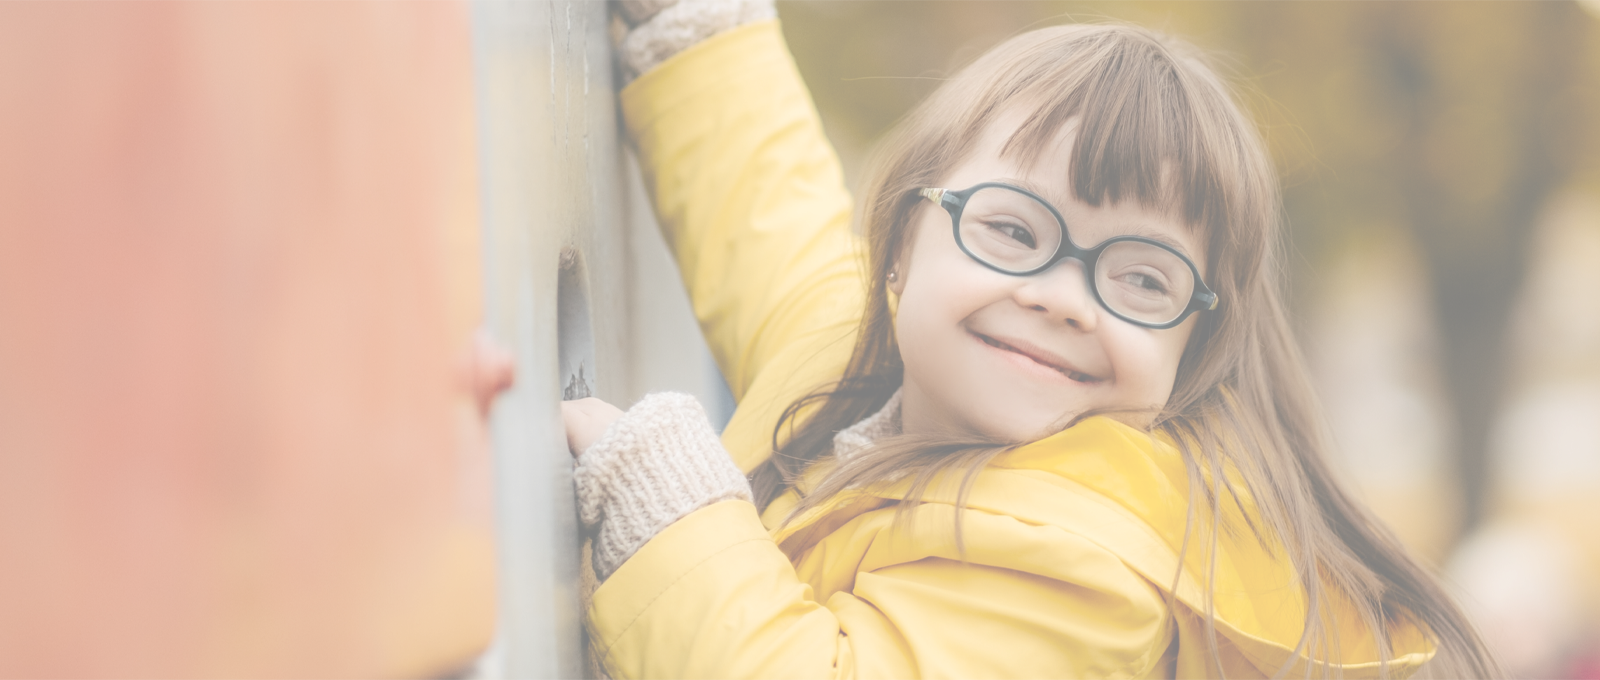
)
(586, 421)
(639, 11)
(601, 410)
(575, 421)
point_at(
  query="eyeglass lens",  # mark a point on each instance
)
(1014, 232)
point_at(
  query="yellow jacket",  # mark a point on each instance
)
(1072, 542)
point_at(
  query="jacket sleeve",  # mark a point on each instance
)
(751, 200)
(713, 597)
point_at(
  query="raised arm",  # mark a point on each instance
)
(752, 202)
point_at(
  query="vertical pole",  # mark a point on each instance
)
(553, 257)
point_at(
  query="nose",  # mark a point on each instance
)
(1061, 292)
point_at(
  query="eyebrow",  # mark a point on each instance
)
(1030, 186)
(1135, 229)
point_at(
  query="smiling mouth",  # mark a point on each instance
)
(1077, 376)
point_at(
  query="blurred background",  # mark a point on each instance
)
(1441, 165)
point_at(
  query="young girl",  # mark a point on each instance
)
(1058, 427)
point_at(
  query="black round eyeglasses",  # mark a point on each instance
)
(1015, 232)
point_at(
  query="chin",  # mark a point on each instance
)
(1023, 425)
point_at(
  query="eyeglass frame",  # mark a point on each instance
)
(954, 201)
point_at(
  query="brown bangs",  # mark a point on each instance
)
(1141, 135)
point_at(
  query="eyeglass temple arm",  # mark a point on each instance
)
(938, 196)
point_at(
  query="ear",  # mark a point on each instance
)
(897, 277)
(900, 268)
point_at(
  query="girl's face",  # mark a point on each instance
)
(1018, 357)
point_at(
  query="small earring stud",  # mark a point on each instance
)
(893, 276)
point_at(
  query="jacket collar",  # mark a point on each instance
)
(1126, 490)
(854, 439)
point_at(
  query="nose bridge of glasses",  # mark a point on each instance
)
(1068, 265)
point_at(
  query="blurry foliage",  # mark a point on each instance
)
(1454, 121)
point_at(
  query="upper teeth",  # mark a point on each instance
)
(1080, 377)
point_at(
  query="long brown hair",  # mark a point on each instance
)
(1156, 125)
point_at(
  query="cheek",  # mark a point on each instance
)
(1146, 363)
(941, 286)
(919, 283)
(928, 311)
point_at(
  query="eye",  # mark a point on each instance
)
(1146, 282)
(1015, 232)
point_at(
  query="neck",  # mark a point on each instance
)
(920, 415)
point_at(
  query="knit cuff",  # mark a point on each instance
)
(656, 463)
(673, 26)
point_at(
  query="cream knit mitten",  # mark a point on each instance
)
(655, 464)
(657, 29)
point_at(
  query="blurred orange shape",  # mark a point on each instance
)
(238, 268)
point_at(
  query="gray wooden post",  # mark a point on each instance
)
(555, 260)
